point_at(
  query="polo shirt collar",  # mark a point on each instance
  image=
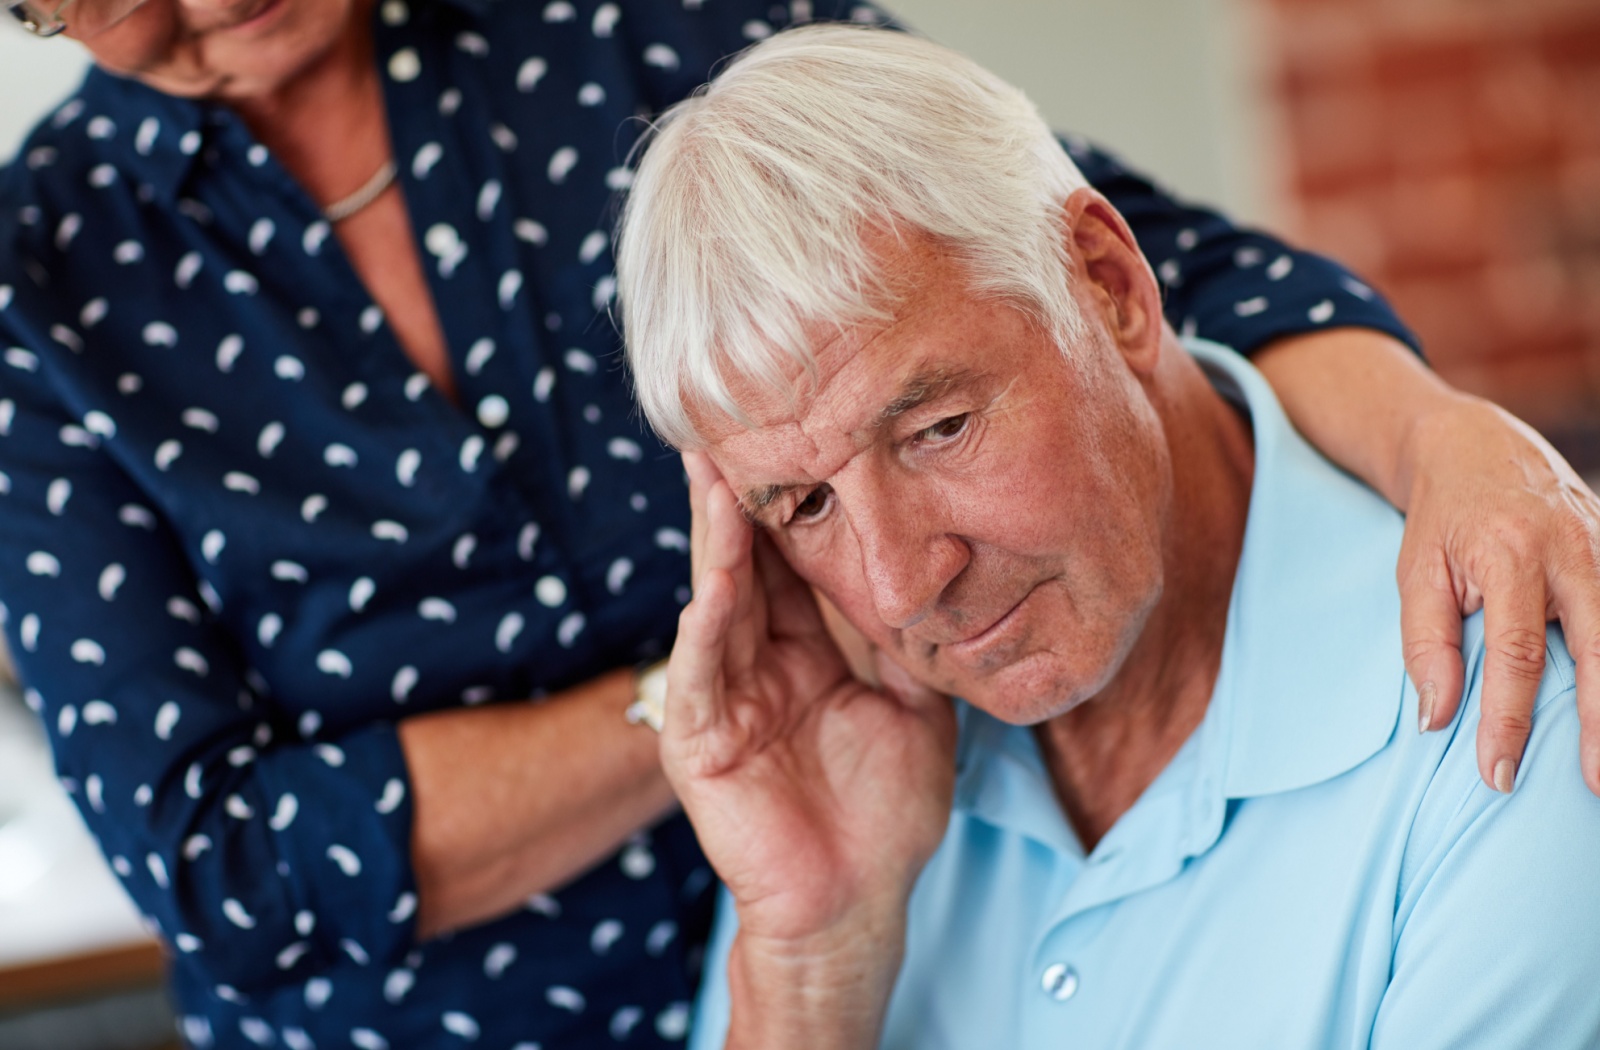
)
(1312, 674)
(1293, 704)
(1002, 780)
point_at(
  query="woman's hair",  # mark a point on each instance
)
(749, 221)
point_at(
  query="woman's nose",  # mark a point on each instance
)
(213, 7)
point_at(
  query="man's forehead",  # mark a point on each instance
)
(918, 277)
(866, 375)
(774, 454)
(809, 446)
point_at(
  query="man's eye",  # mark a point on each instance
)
(945, 429)
(812, 505)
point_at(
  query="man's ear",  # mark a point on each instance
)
(1118, 280)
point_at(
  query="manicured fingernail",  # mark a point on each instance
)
(1425, 697)
(1505, 775)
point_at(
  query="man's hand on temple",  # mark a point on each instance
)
(818, 799)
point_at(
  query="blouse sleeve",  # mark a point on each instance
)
(1232, 285)
(244, 843)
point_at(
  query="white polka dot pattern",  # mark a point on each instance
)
(240, 534)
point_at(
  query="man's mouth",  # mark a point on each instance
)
(989, 643)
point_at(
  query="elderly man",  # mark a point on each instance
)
(1184, 810)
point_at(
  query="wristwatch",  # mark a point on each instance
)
(649, 697)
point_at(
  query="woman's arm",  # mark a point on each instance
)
(1236, 286)
(1496, 519)
(515, 799)
(268, 845)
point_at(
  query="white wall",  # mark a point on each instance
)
(1166, 83)
(34, 76)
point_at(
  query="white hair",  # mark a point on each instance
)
(747, 222)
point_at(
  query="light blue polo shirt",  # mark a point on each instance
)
(1307, 872)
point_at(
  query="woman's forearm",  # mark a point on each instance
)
(1361, 397)
(516, 799)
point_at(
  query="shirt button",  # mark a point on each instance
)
(1060, 982)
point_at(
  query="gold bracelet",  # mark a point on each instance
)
(649, 697)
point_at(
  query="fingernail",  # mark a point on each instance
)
(1425, 697)
(1505, 775)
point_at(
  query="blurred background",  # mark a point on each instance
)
(1449, 150)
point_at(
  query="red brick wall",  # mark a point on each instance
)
(1450, 151)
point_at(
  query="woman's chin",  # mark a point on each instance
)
(256, 54)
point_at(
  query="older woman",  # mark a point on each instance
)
(316, 465)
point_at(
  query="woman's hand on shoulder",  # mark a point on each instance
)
(1497, 520)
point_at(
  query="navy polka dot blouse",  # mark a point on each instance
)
(241, 535)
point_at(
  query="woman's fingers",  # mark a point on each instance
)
(1514, 604)
(1574, 600)
(1437, 590)
(1430, 637)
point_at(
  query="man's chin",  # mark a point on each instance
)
(1030, 713)
(1024, 697)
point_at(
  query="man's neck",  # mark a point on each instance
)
(1104, 753)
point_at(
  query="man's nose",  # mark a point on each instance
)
(909, 553)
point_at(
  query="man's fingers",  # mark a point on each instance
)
(897, 681)
(727, 533)
(702, 475)
(791, 608)
(858, 650)
(1514, 653)
(693, 675)
(1577, 604)
(728, 542)
(1430, 636)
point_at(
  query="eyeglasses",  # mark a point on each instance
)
(44, 17)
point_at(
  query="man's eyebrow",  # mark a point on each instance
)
(921, 388)
(758, 499)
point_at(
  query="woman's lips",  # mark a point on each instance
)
(257, 18)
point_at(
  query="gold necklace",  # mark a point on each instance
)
(345, 207)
